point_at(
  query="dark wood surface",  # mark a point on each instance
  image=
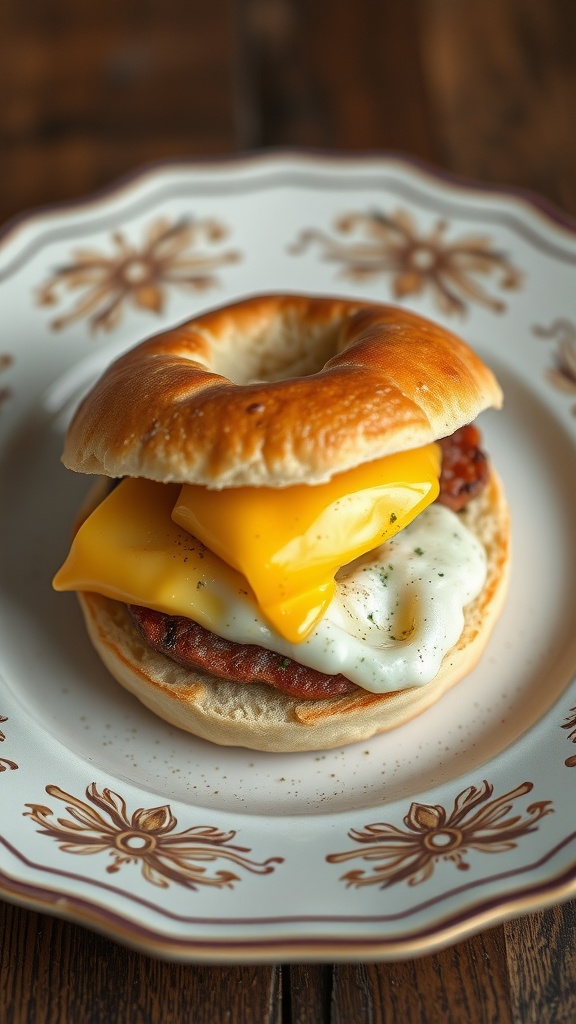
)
(88, 91)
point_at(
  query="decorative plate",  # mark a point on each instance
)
(385, 849)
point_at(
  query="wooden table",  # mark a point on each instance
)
(91, 90)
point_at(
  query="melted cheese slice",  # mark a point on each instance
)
(289, 543)
(193, 552)
(129, 549)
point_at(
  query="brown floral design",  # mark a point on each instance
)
(431, 835)
(5, 362)
(147, 838)
(562, 375)
(5, 763)
(570, 723)
(391, 244)
(169, 256)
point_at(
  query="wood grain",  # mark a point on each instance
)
(501, 82)
(541, 955)
(466, 983)
(53, 972)
(86, 99)
(308, 994)
(337, 74)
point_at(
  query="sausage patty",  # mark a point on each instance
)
(465, 469)
(188, 643)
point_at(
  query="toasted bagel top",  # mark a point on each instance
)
(277, 390)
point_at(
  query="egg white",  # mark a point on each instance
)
(396, 612)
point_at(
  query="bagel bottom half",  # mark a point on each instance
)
(260, 717)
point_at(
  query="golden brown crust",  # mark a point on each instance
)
(277, 390)
(257, 716)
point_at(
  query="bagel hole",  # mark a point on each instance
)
(280, 350)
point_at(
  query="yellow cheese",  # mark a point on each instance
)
(276, 551)
(130, 550)
(290, 542)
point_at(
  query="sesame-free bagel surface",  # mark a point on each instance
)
(277, 390)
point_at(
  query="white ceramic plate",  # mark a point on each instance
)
(385, 849)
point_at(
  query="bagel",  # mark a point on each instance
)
(275, 391)
(279, 400)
